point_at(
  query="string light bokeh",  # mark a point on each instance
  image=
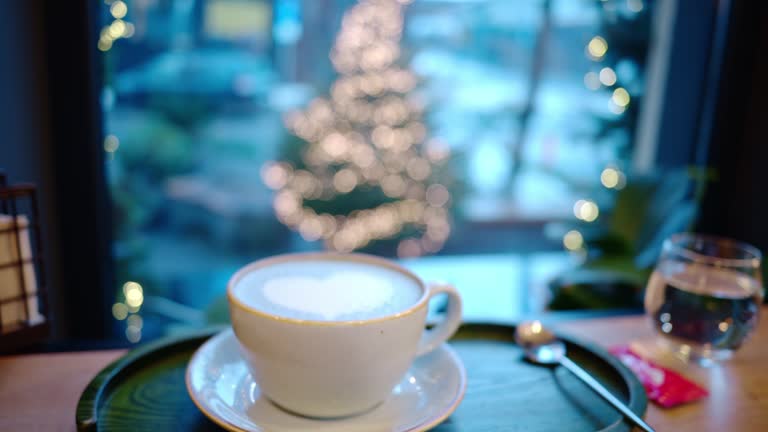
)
(367, 134)
(128, 310)
(619, 99)
(118, 28)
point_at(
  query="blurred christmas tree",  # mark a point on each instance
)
(359, 169)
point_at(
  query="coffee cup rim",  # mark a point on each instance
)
(324, 256)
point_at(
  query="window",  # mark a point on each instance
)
(237, 129)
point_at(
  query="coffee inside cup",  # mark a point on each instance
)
(327, 290)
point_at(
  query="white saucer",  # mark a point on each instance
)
(220, 385)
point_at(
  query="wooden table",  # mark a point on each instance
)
(738, 399)
(40, 392)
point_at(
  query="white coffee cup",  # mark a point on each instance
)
(326, 368)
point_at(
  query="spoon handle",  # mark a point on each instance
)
(602, 391)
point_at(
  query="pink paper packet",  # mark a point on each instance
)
(664, 386)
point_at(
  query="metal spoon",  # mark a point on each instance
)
(542, 347)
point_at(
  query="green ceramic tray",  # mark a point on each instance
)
(145, 391)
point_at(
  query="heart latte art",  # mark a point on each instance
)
(340, 293)
(328, 291)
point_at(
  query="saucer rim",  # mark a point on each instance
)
(423, 426)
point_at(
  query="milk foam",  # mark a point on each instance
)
(328, 290)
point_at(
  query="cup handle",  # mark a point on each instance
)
(435, 337)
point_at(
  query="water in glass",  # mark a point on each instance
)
(704, 302)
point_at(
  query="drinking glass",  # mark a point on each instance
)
(704, 296)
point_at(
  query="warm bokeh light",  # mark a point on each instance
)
(586, 210)
(597, 48)
(418, 169)
(438, 230)
(286, 202)
(134, 294)
(118, 9)
(116, 29)
(393, 186)
(437, 195)
(345, 180)
(609, 177)
(111, 144)
(573, 240)
(620, 97)
(335, 145)
(382, 137)
(104, 44)
(275, 175)
(119, 311)
(607, 76)
(536, 327)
